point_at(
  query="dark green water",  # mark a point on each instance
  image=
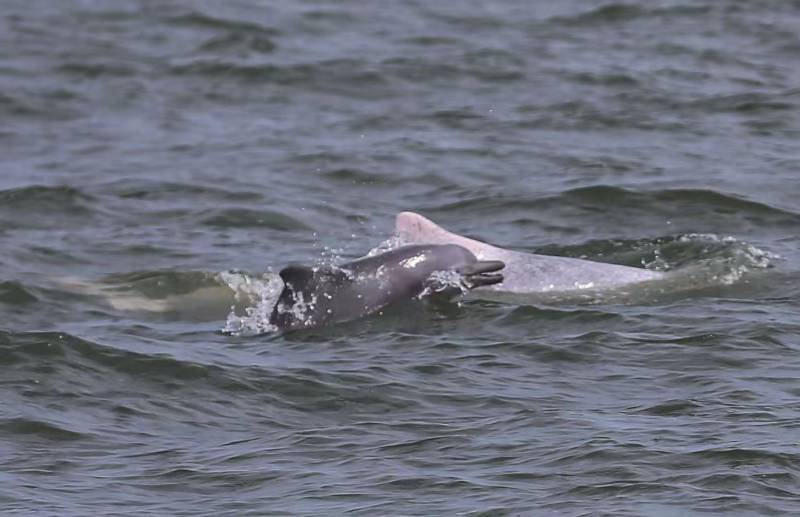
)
(157, 153)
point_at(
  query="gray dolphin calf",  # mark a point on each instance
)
(526, 273)
(317, 296)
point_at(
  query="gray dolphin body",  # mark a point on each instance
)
(526, 273)
(314, 297)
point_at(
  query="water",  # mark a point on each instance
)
(156, 154)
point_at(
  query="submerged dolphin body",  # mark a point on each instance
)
(314, 297)
(526, 273)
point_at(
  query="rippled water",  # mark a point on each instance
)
(162, 159)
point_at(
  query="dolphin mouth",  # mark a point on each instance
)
(483, 280)
(482, 273)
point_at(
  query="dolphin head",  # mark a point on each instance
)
(313, 297)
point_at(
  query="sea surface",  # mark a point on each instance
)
(161, 160)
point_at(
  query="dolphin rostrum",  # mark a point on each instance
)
(317, 296)
(526, 273)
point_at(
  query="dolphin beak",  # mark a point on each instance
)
(481, 266)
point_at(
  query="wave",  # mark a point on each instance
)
(29, 428)
(40, 206)
(170, 190)
(237, 42)
(81, 368)
(229, 36)
(348, 77)
(204, 21)
(94, 70)
(77, 355)
(48, 105)
(15, 293)
(712, 207)
(748, 103)
(626, 13)
(358, 78)
(709, 199)
(248, 218)
(669, 252)
(40, 197)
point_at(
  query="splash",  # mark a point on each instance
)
(733, 259)
(441, 282)
(389, 244)
(254, 298)
(723, 260)
(300, 309)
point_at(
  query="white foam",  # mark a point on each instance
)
(254, 318)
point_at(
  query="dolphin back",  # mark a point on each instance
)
(526, 272)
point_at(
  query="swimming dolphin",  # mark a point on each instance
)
(526, 273)
(317, 296)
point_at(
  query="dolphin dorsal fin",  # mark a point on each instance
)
(296, 275)
(412, 228)
(416, 228)
(301, 277)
